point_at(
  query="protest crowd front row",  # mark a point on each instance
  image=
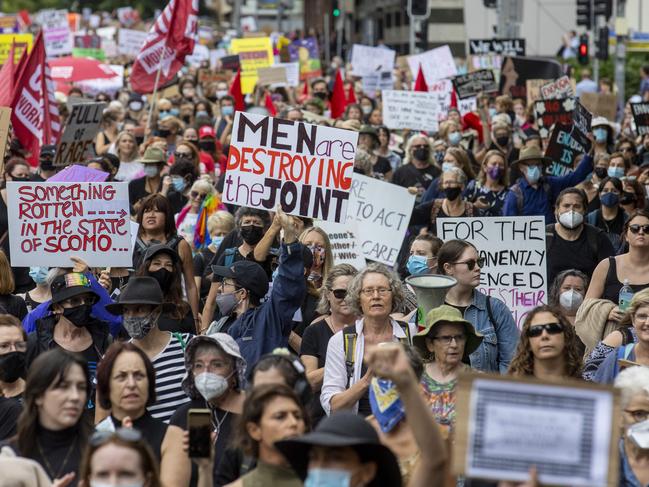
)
(246, 269)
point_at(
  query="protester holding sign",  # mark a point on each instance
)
(489, 190)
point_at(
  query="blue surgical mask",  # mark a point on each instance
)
(615, 172)
(327, 477)
(178, 183)
(150, 170)
(227, 110)
(417, 264)
(600, 134)
(454, 138)
(447, 166)
(492, 112)
(533, 174)
(275, 274)
(217, 241)
(164, 114)
(202, 113)
(38, 274)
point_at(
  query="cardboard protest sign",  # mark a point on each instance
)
(600, 104)
(5, 121)
(272, 75)
(292, 74)
(561, 88)
(129, 42)
(641, 117)
(515, 259)
(305, 168)
(77, 141)
(367, 60)
(471, 84)
(533, 89)
(306, 52)
(436, 64)
(549, 112)
(23, 41)
(56, 32)
(345, 244)
(563, 148)
(515, 72)
(253, 53)
(381, 212)
(414, 110)
(50, 222)
(568, 430)
(377, 82)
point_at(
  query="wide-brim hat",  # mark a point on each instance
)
(344, 429)
(69, 285)
(531, 153)
(153, 155)
(447, 314)
(140, 290)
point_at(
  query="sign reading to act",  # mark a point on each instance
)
(50, 222)
(305, 168)
(78, 139)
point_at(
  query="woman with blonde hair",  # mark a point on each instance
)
(191, 221)
(125, 147)
(489, 189)
(317, 241)
(219, 224)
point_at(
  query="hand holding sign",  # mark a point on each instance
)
(288, 225)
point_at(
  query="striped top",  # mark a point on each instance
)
(169, 368)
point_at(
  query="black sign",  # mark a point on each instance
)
(515, 72)
(468, 85)
(641, 117)
(566, 143)
(581, 118)
(549, 112)
(230, 62)
(506, 47)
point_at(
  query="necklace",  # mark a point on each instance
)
(217, 423)
(50, 470)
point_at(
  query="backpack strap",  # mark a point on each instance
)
(349, 343)
(229, 256)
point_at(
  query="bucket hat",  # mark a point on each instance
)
(153, 155)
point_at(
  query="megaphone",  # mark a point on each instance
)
(431, 291)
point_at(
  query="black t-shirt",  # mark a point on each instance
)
(14, 305)
(381, 168)
(92, 357)
(461, 309)
(153, 431)
(137, 191)
(202, 269)
(10, 408)
(408, 175)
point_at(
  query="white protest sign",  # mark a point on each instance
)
(382, 212)
(56, 32)
(515, 259)
(345, 245)
(50, 222)
(377, 82)
(129, 42)
(305, 168)
(78, 138)
(416, 110)
(561, 88)
(467, 105)
(201, 53)
(292, 74)
(436, 64)
(442, 90)
(368, 60)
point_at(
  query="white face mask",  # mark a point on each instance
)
(150, 170)
(211, 385)
(570, 300)
(639, 434)
(571, 219)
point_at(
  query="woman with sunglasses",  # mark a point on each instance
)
(200, 206)
(548, 347)
(335, 315)
(489, 315)
(120, 458)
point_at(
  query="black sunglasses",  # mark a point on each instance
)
(126, 434)
(537, 330)
(196, 194)
(635, 229)
(339, 293)
(471, 263)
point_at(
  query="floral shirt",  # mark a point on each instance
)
(441, 397)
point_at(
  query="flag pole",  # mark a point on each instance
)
(155, 93)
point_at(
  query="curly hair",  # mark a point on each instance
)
(555, 288)
(523, 361)
(353, 298)
(340, 270)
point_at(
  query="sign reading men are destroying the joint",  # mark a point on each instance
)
(78, 139)
(50, 222)
(305, 168)
(515, 258)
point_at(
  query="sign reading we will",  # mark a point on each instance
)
(50, 222)
(305, 168)
(515, 259)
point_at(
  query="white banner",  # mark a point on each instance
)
(345, 244)
(416, 110)
(367, 60)
(436, 64)
(129, 41)
(56, 32)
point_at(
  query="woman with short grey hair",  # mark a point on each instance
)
(373, 295)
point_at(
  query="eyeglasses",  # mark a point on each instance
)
(626, 149)
(447, 339)
(638, 415)
(125, 434)
(383, 291)
(339, 293)
(471, 263)
(420, 146)
(641, 317)
(182, 155)
(196, 195)
(635, 229)
(5, 347)
(551, 329)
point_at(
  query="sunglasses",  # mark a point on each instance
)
(635, 229)
(551, 328)
(124, 434)
(182, 155)
(339, 293)
(196, 194)
(472, 263)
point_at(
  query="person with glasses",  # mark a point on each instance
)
(154, 160)
(120, 458)
(335, 314)
(372, 295)
(489, 315)
(548, 348)
(419, 166)
(13, 345)
(202, 203)
(626, 146)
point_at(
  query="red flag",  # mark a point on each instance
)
(453, 98)
(420, 83)
(268, 103)
(170, 39)
(35, 115)
(7, 78)
(338, 100)
(351, 96)
(305, 90)
(235, 92)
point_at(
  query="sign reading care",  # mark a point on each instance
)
(305, 168)
(50, 222)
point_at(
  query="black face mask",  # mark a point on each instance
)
(627, 198)
(421, 154)
(207, 146)
(12, 366)
(78, 316)
(139, 140)
(187, 118)
(251, 234)
(163, 133)
(452, 193)
(46, 164)
(502, 141)
(19, 180)
(319, 94)
(600, 172)
(164, 278)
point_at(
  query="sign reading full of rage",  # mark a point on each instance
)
(305, 168)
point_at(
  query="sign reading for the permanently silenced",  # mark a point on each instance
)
(50, 222)
(77, 142)
(515, 260)
(305, 168)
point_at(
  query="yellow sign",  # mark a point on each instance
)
(22, 41)
(254, 53)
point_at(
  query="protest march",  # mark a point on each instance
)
(252, 245)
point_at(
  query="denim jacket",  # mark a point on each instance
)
(500, 338)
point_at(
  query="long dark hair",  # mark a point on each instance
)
(174, 294)
(157, 202)
(450, 252)
(48, 370)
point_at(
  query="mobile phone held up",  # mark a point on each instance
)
(199, 423)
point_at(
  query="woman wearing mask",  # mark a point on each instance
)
(368, 140)
(603, 133)
(41, 293)
(567, 293)
(367, 106)
(451, 131)
(13, 344)
(593, 184)
(453, 157)
(126, 148)
(501, 139)
(211, 155)
(488, 191)
(423, 255)
(633, 195)
(219, 224)
(187, 89)
(10, 303)
(154, 161)
(610, 217)
(383, 149)
(186, 151)
(419, 167)
(176, 185)
(617, 166)
(202, 202)
(169, 129)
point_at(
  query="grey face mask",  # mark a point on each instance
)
(139, 326)
(226, 303)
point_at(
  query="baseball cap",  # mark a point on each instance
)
(69, 285)
(248, 275)
(206, 131)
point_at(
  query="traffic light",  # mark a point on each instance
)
(422, 37)
(582, 52)
(584, 13)
(601, 46)
(604, 8)
(335, 8)
(419, 8)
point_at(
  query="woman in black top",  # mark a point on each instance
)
(51, 429)
(13, 305)
(610, 216)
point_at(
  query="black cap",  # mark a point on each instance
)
(48, 150)
(248, 275)
(69, 285)
(157, 248)
(139, 290)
